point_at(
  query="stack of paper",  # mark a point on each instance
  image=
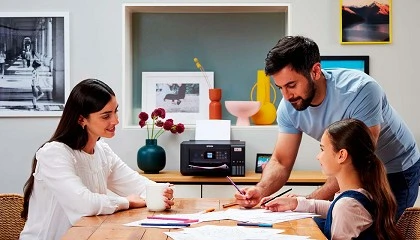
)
(211, 232)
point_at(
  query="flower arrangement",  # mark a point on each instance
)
(157, 116)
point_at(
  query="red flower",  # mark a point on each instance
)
(157, 117)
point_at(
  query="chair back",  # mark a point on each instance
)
(409, 223)
(11, 224)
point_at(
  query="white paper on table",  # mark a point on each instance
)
(212, 232)
(212, 130)
(255, 215)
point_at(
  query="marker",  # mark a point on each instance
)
(231, 181)
(269, 200)
(230, 204)
(208, 210)
(254, 224)
(185, 220)
(166, 224)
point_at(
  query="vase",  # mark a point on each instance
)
(151, 158)
(267, 113)
(215, 107)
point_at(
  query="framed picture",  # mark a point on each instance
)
(365, 22)
(184, 95)
(261, 160)
(34, 63)
(354, 62)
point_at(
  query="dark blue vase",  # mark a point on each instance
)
(151, 158)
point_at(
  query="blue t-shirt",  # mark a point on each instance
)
(354, 94)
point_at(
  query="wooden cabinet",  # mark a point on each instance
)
(302, 182)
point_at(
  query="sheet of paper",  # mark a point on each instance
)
(255, 215)
(212, 130)
(212, 232)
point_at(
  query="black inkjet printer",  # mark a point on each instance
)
(213, 158)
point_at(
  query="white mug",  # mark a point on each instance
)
(155, 201)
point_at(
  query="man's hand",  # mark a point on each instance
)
(251, 197)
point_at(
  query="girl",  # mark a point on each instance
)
(365, 206)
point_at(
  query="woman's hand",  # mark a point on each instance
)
(136, 201)
(169, 197)
(280, 204)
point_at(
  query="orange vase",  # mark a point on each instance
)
(215, 107)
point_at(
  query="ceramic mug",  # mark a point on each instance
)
(155, 201)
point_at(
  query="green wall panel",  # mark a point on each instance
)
(232, 45)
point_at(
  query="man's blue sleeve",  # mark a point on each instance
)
(367, 105)
(283, 120)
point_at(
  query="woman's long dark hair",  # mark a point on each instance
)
(354, 136)
(88, 96)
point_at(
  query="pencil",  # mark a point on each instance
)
(254, 224)
(281, 194)
(166, 224)
(231, 181)
(185, 220)
(230, 204)
(209, 210)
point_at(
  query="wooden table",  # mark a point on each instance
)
(110, 226)
(296, 178)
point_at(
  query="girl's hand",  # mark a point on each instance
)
(280, 204)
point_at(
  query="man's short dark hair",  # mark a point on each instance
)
(299, 52)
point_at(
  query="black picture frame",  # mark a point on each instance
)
(262, 158)
(353, 62)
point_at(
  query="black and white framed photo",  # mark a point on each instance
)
(261, 160)
(183, 95)
(34, 63)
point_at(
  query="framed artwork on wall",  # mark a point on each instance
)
(261, 160)
(184, 95)
(34, 63)
(354, 62)
(365, 22)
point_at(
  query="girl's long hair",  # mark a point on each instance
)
(88, 96)
(354, 136)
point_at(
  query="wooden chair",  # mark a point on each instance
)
(11, 224)
(409, 223)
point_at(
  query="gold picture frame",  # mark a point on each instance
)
(365, 21)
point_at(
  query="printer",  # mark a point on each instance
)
(213, 158)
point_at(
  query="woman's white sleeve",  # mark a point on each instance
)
(123, 180)
(56, 169)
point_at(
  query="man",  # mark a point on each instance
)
(313, 99)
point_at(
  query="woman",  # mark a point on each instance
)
(72, 172)
(365, 206)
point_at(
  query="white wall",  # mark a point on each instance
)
(96, 51)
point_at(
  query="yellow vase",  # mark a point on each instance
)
(267, 113)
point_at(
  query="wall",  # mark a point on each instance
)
(96, 51)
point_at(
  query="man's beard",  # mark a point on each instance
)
(304, 103)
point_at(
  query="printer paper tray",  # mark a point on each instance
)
(223, 166)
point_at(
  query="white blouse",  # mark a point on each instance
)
(70, 184)
(349, 217)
